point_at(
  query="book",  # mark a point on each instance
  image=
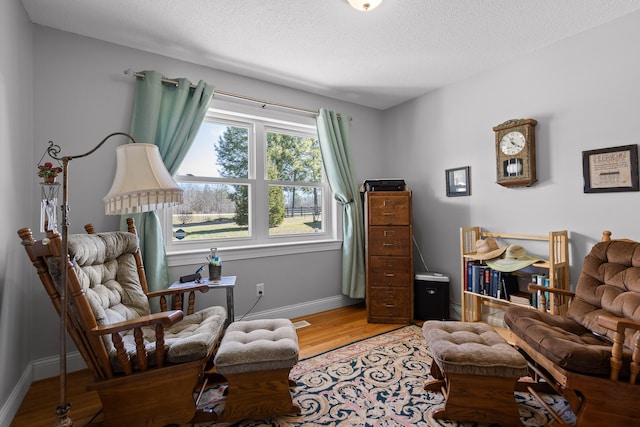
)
(475, 278)
(496, 279)
(509, 285)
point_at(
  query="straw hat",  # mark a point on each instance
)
(487, 249)
(515, 257)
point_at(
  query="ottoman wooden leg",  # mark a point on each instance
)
(438, 382)
(258, 394)
(482, 399)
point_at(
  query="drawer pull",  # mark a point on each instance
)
(385, 244)
(389, 275)
(390, 305)
(388, 213)
(389, 233)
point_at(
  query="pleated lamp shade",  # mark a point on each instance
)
(142, 182)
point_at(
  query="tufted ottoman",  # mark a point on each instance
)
(476, 369)
(255, 357)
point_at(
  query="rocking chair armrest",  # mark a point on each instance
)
(176, 293)
(617, 324)
(165, 318)
(179, 290)
(557, 291)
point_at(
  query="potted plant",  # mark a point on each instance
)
(48, 172)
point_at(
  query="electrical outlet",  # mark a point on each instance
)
(260, 289)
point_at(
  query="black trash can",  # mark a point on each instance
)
(431, 296)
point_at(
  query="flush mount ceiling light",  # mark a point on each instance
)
(364, 5)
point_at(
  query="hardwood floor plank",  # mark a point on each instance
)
(328, 330)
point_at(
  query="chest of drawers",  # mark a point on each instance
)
(389, 262)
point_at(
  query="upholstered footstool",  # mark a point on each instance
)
(256, 357)
(477, 371)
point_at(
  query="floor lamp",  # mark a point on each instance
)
(141, 184)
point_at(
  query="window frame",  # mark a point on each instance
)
(259, 243)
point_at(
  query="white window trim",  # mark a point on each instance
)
(258, 246)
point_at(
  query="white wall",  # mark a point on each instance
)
(16, 176)
(585, 94)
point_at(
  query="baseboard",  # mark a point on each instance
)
(50, 366)
(303, 309)
(10, 406)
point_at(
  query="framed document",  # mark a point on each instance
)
(458, 182)
(610, 169)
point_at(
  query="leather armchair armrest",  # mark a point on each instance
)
(564, 292)
(619, 326)
(560, 294)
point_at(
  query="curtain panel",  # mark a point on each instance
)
(333, 135)
(168, 116)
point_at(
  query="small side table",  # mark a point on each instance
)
(226, 282)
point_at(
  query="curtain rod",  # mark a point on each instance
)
(130, 73)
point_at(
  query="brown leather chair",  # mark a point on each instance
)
(145, 365)
(592, 354)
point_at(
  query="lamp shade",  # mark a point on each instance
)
(142, 182)
(364, 5)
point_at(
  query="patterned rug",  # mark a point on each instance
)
(375, 382)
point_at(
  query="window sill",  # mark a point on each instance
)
(256, 251)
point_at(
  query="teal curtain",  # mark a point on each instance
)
(333, 135)
(168, 116)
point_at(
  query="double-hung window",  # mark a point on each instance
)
(251, 179)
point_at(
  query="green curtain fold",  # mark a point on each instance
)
(168, 116)
(333, 135)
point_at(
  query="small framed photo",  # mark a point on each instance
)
(610, 169)
(458, 182)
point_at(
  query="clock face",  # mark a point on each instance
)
(512, 143)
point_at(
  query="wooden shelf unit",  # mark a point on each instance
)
(389, 260)
(557, 266)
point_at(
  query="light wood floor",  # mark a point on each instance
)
(328, 330)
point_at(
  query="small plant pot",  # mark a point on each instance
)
(215, 272)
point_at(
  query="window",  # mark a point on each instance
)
(251, 178)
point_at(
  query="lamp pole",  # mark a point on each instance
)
(63, 409)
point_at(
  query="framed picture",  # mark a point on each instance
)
(458, 183)
(610, 169)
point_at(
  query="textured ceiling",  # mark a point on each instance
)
(381, 58)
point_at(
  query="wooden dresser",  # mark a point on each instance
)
(389, 261)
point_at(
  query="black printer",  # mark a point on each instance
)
(384, 185)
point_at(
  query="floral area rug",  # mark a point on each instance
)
(375, 382)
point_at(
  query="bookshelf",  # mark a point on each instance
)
(555, 267)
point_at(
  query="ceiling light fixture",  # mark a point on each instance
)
(364, 5)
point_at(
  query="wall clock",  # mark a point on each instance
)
(516, 153)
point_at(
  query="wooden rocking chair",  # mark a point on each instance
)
(146, 366)
(591, 356)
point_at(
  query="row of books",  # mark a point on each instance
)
(482, 279)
